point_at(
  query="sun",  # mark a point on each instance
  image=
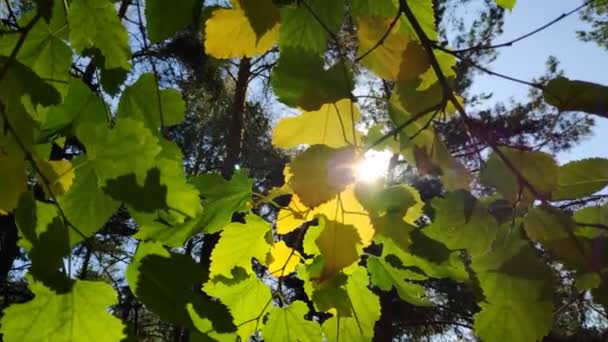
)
(373, 166)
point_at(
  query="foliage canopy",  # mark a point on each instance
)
(346, 241)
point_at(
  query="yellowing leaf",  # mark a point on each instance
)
(229, 33)
(346, 209)
(282, 259)
(333, 125)
(320, 173)
(59, 173)
(292, 217)
(397, 58)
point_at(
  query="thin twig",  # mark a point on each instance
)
(527, 35)
(488, 71)
(408, 122)
(383, 38)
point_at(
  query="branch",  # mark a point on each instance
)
(408, 122)
(448, 92)
(527, 35)
(488, 71)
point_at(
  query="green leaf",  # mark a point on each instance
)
(144, 101)
(12, 175)
(287, 324)
(46, 240)
(445, 264)
(581, 178)
(382, 8)
(320, 173)
(518, 292)
(304, 28)
(222, 198)
(102, 31)
(164, 281)
(300, 79)
(388, 207)
(238, 244)
(79, 315)
(246, 297)
(539, 169)
(339, 244)
(214, 324)
(332, 125)
(85, 205)
(365, 306)
(44, 52)
(554, 230)
(385, 276)
(424, 12)
(128, 148)
(569, 95)
(164, 18)
(591, 215)
(461, 222)
(80, 104)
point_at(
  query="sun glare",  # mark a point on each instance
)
(373, 166)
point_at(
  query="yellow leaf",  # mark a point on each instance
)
(397, 58)
(231, 33)
(332, 125)
(282, 259)
(59, 173)
(291, 218)
(346, 209)
(414, 212)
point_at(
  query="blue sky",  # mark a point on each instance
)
(526, 59)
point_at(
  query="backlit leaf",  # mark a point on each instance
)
(246, 297)
(365, 306)
(301, 80)
(516, 284)
(303, 27)
(332, 125)
(81, 314)
(320, 173)
(581, 178)
(282, 259)
(461, 222)
(222, 198)
(287, 324)
(385, 276)
(103, 31)
(238, 244)
(339, 244)
(234, 26)
(537, 168)
(145, 102)
(398, 58)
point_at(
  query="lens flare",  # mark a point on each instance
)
(372, 166)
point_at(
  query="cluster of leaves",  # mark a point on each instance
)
(347, 238)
